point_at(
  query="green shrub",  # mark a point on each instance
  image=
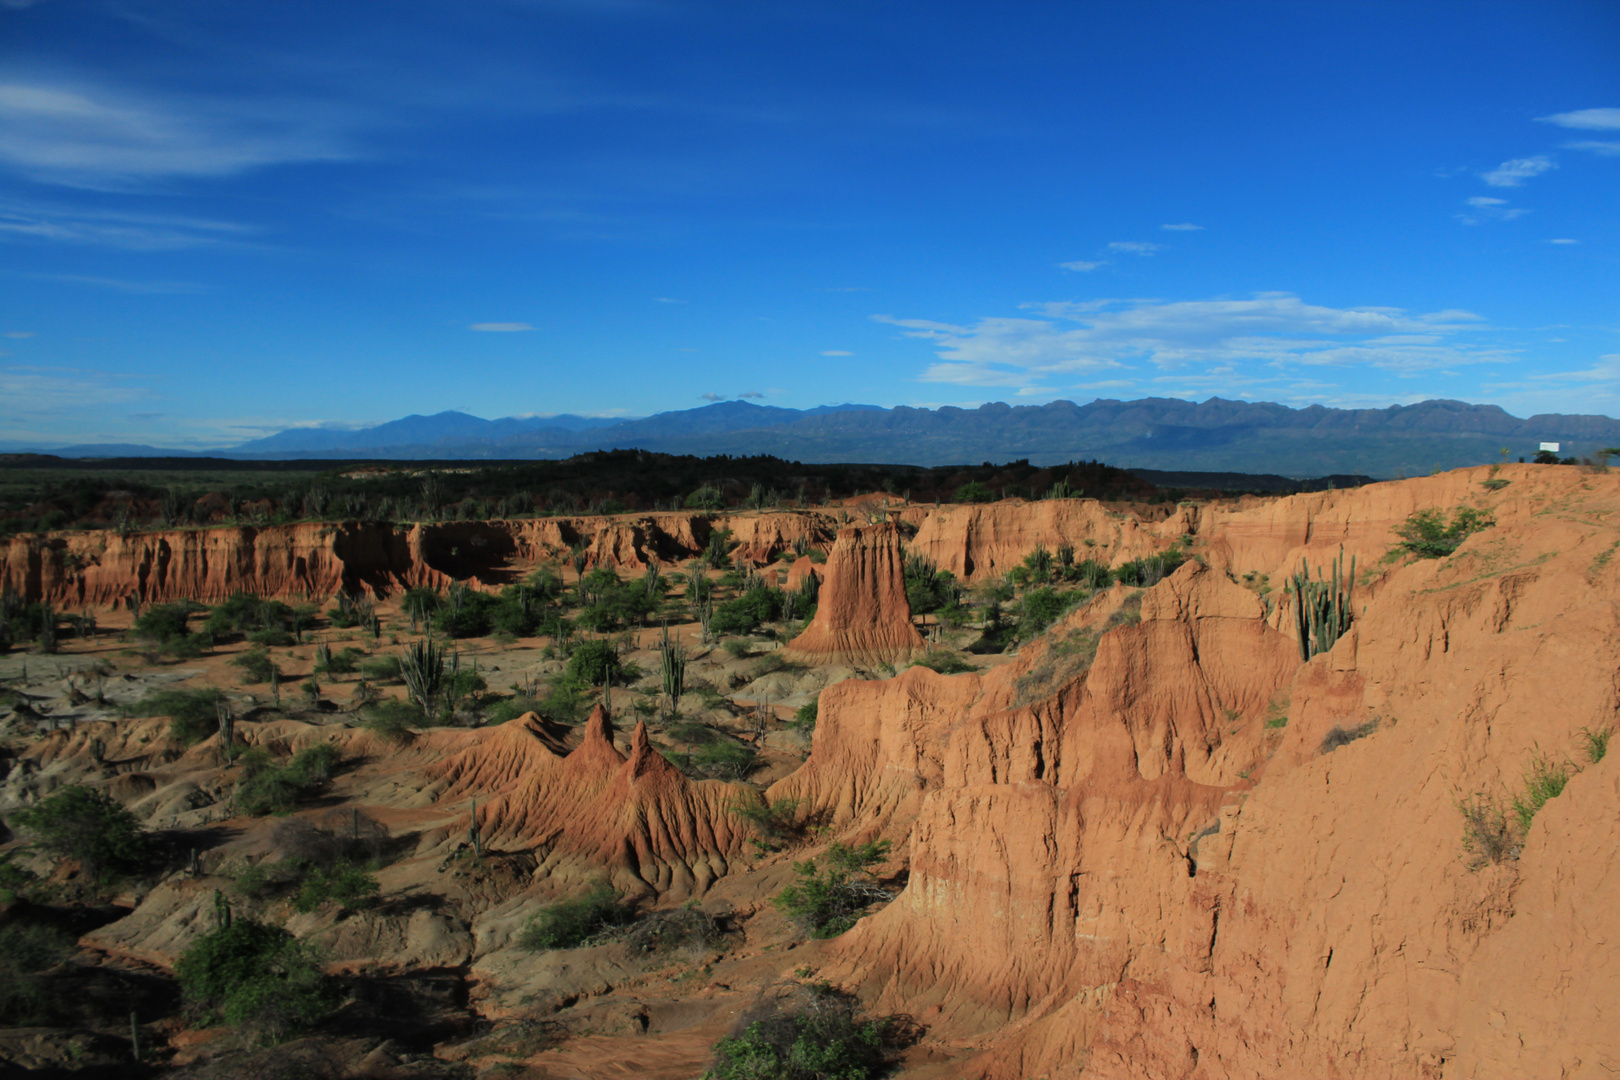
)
(510, 708)
(707, 497)
(743, 615)
(1150, 570)
(810, 1033)
(1595, 744)
(1543, 781)
(592, 663)
(249, 615)
(773, 819)
(193, 713)
(832, 894)
(1042, 607)
(383, 668)
(945, 663)
(1428, 535)
(725, 759)
(267, 788)
(568, 924)
(805, 718)
(343, 663)
(163, 623)
(254, 976)
(347, 885)
(392, 720)
(274, 637)
(86, 824)
(974, 491)
(256, 665)
(26, 953)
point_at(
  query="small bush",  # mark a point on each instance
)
(832, 894)
(392, 720)
(86, 824)
(658, 931)
(805, 718)
(569, 924)
(26, 953)
(1428, 535)
(1487, 836)
(1595, 744)
(808, 1033)
(1343, 736)
(343, 663)
(1543, 781)
(273, 637)
(267, 788)
(254, 976)
(974, 491)
(383, 669)
(591, 663)
(256, 665)
(773, 819)
(945, 663)
(193, 714)
(347, 885)
(725, 759)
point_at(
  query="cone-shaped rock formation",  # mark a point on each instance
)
(862, 616)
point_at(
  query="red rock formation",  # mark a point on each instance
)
(862, 615)
(978, 543)
(762, 537)
(638, 818)
(803, 569)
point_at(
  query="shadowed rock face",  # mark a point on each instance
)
(862, 616)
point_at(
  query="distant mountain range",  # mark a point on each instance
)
(1151, 433)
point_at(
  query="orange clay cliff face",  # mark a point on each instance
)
(1153, 843)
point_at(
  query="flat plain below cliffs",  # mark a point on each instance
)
(1153, 841)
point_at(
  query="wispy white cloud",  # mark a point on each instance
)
(19, 334)
(1586, 119)
(750, 395)
(1486, 208)
(501, 327)
(1081, 266)
(667, 300)
(110, 228)
(1562, 240)
(1596, 146)
(1135, 247)
(1276, 330)
(43, 398)
(1185, 226)
(95, 136)
(142, 288)
(1514, 173)
(712, 397)
(836, 352)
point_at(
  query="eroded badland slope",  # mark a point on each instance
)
(1151, 842)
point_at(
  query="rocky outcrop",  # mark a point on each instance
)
(980, 543)
(862, 615)
(593, 810)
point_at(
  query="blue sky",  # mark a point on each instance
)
(221, 220)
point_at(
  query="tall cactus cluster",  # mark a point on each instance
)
(672, 668)
(421, 665)
(1323, 609)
